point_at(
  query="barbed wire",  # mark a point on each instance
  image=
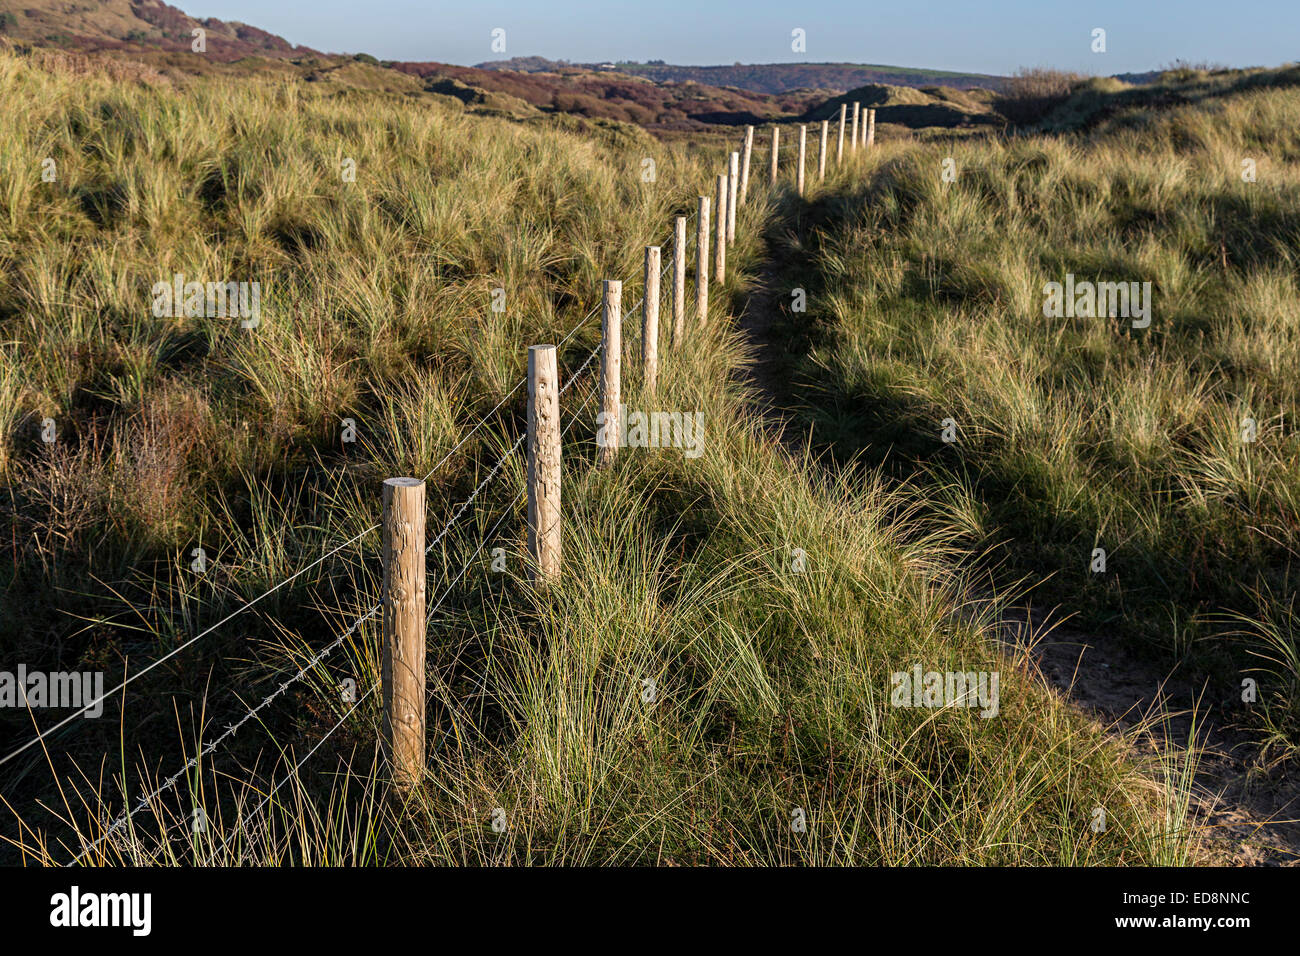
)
(204, 633)
(297, 767)
(231, 729)
(42, 735)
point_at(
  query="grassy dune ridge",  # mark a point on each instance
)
(770, 684)
(926, 303)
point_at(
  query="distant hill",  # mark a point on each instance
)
(931, 106)
(133, 25)
(770, 78)
(527, 64)
(660, 97)
(607, 94)
(160, 36)
(1137, 79)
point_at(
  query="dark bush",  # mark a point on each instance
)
(1032, 92)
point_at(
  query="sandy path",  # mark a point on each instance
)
(1246, 819)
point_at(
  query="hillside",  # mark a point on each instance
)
(904, 106)
(770, 78)
(158, 36)
(668, 100)
(133, 25)
(600, 94)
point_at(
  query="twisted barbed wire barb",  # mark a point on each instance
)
(231, 730)
(193, 640)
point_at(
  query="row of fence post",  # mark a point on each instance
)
(403, 628)
(868, 139)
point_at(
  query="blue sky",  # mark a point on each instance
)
(986, 36)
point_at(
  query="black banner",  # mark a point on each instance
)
(347, 907)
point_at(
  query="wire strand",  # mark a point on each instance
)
(231, 729)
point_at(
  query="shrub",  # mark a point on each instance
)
(1032, 92)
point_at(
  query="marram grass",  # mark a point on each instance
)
(682, 696)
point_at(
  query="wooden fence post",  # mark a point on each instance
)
(650, 322)
(702, 262)
(403, 628)
(776, 150)
(611, 362)
(798, 173)
(679, 281)
(744, 164)
(543, 463)
(871, 129)
(720, 239)
(733, 187)
(839, 150)
(821, 156)
(853, 137)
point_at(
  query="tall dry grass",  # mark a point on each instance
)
(1076, 434)
(770, 684)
